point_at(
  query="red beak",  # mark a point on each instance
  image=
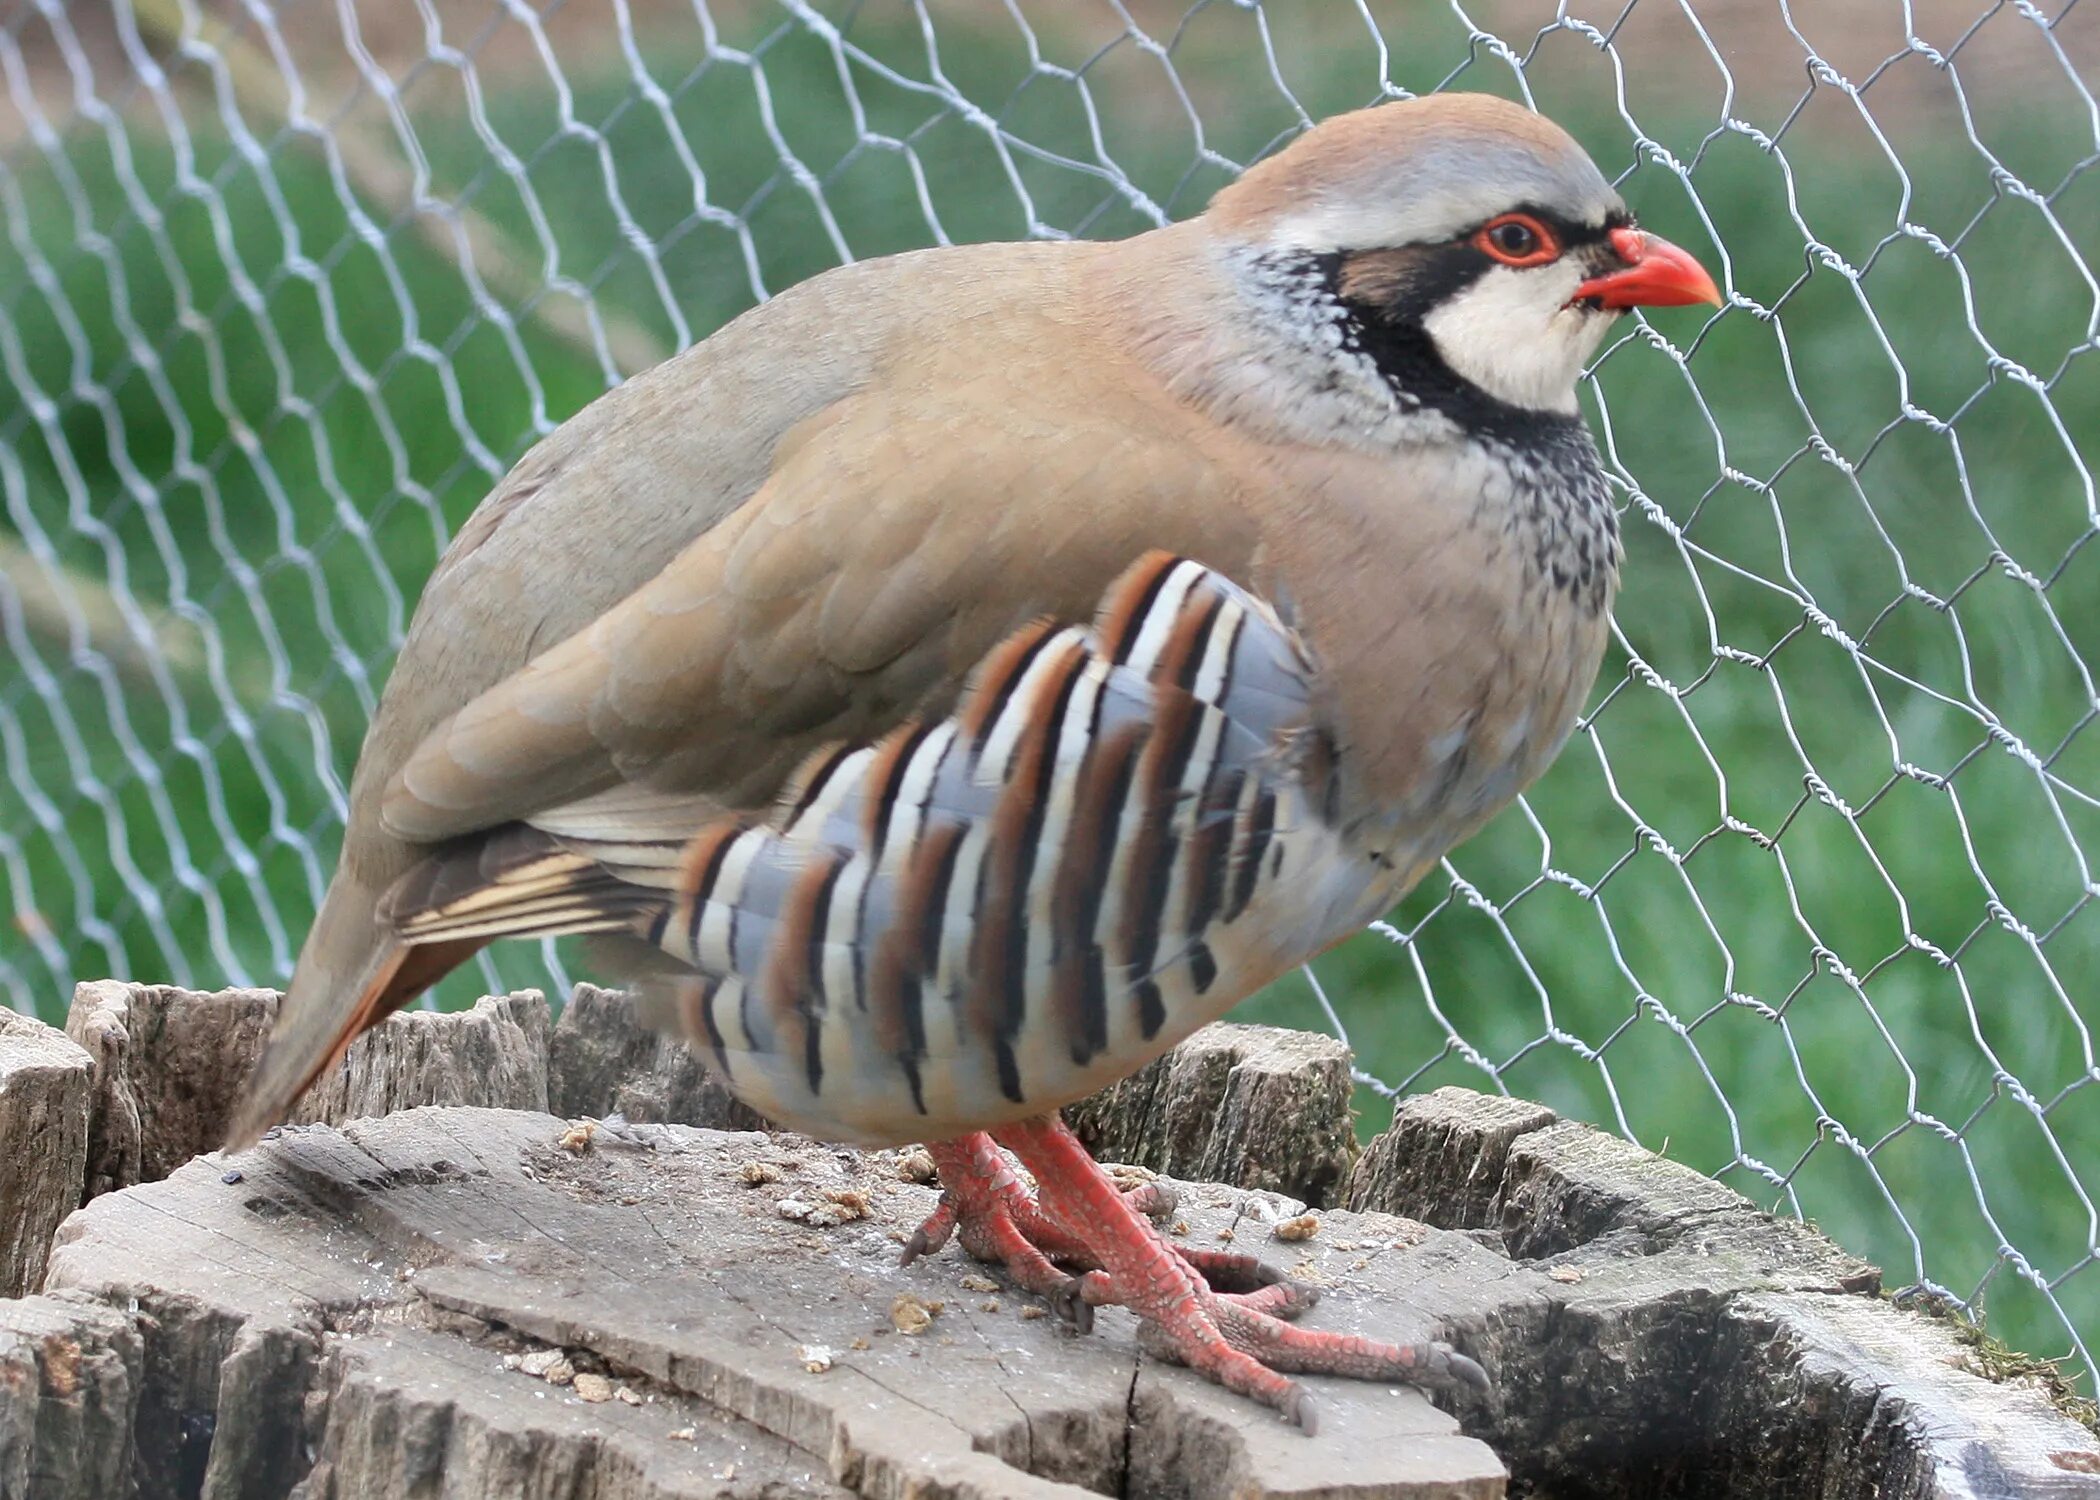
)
(1656, 274)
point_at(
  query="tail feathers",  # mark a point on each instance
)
(347, 953)
(386, 950)
(515, 882)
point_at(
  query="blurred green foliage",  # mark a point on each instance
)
(242, 405)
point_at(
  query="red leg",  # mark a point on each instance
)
(1216, 1313)
(1000, 1222)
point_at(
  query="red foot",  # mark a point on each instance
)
(1218, 1313)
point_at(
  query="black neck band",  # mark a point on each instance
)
(1393, 337)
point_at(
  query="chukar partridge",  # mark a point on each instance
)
(963, 676)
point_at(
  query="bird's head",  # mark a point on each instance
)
(1470, 246)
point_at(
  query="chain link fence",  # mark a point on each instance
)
(1809, 903)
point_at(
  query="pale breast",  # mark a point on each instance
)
(1460, 634)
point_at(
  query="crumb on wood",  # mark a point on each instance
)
(972, 1282)
(626, 1394)
(910, 1314)
(836, 1206)
(757, 1173)
(593, 1388)
(550, 1365)
(577, 1138)
(851, 1202)
(816, 1358)
(1303, 1227)
(1566, 1275)
(916, 1165)
(1181, 1226)
(1225, 1234)
(1031, 1312)
(680, 1434)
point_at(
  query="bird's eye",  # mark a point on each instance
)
(1513, 239)
(1517, 240)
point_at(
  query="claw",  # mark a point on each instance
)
(1069, 1303)
(1301, 1411)
(1153, 1199)
(1447, 1364)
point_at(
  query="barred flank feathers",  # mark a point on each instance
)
(966, 919)
(1048, 871)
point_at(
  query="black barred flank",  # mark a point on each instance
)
(1018, 875)
(810, 784)
(705, 991)
(1210, 850)
(883, 806)
(1009, 1071)
(1090, 856)
(1009, 892)
(1121, 641)
(1152, 1010)
(1261, 825)
(1008, 667)
(1192, 652)
(1203, 968)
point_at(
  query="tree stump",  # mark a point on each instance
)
(415, 1284)
(459, 1303)
(169, 1065)
(1251, 1105)
(43, 1143)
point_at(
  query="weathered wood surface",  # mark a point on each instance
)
(169, 1064)
(1694, 1345)
(336, 1321)
(71, 1372)
(357, 1291)
(1254, 1106)
(43, 1143)
(604, 1061)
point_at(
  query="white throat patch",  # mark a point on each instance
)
(1512, 334)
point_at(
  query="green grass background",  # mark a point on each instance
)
(242, 420)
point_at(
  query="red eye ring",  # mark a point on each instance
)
(1517, 240)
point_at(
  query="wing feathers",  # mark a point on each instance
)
(974, 917)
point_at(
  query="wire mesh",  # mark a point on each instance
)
(1809, 901)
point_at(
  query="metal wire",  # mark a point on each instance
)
(1810, 900)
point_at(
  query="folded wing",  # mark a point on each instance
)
(1114, 838)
